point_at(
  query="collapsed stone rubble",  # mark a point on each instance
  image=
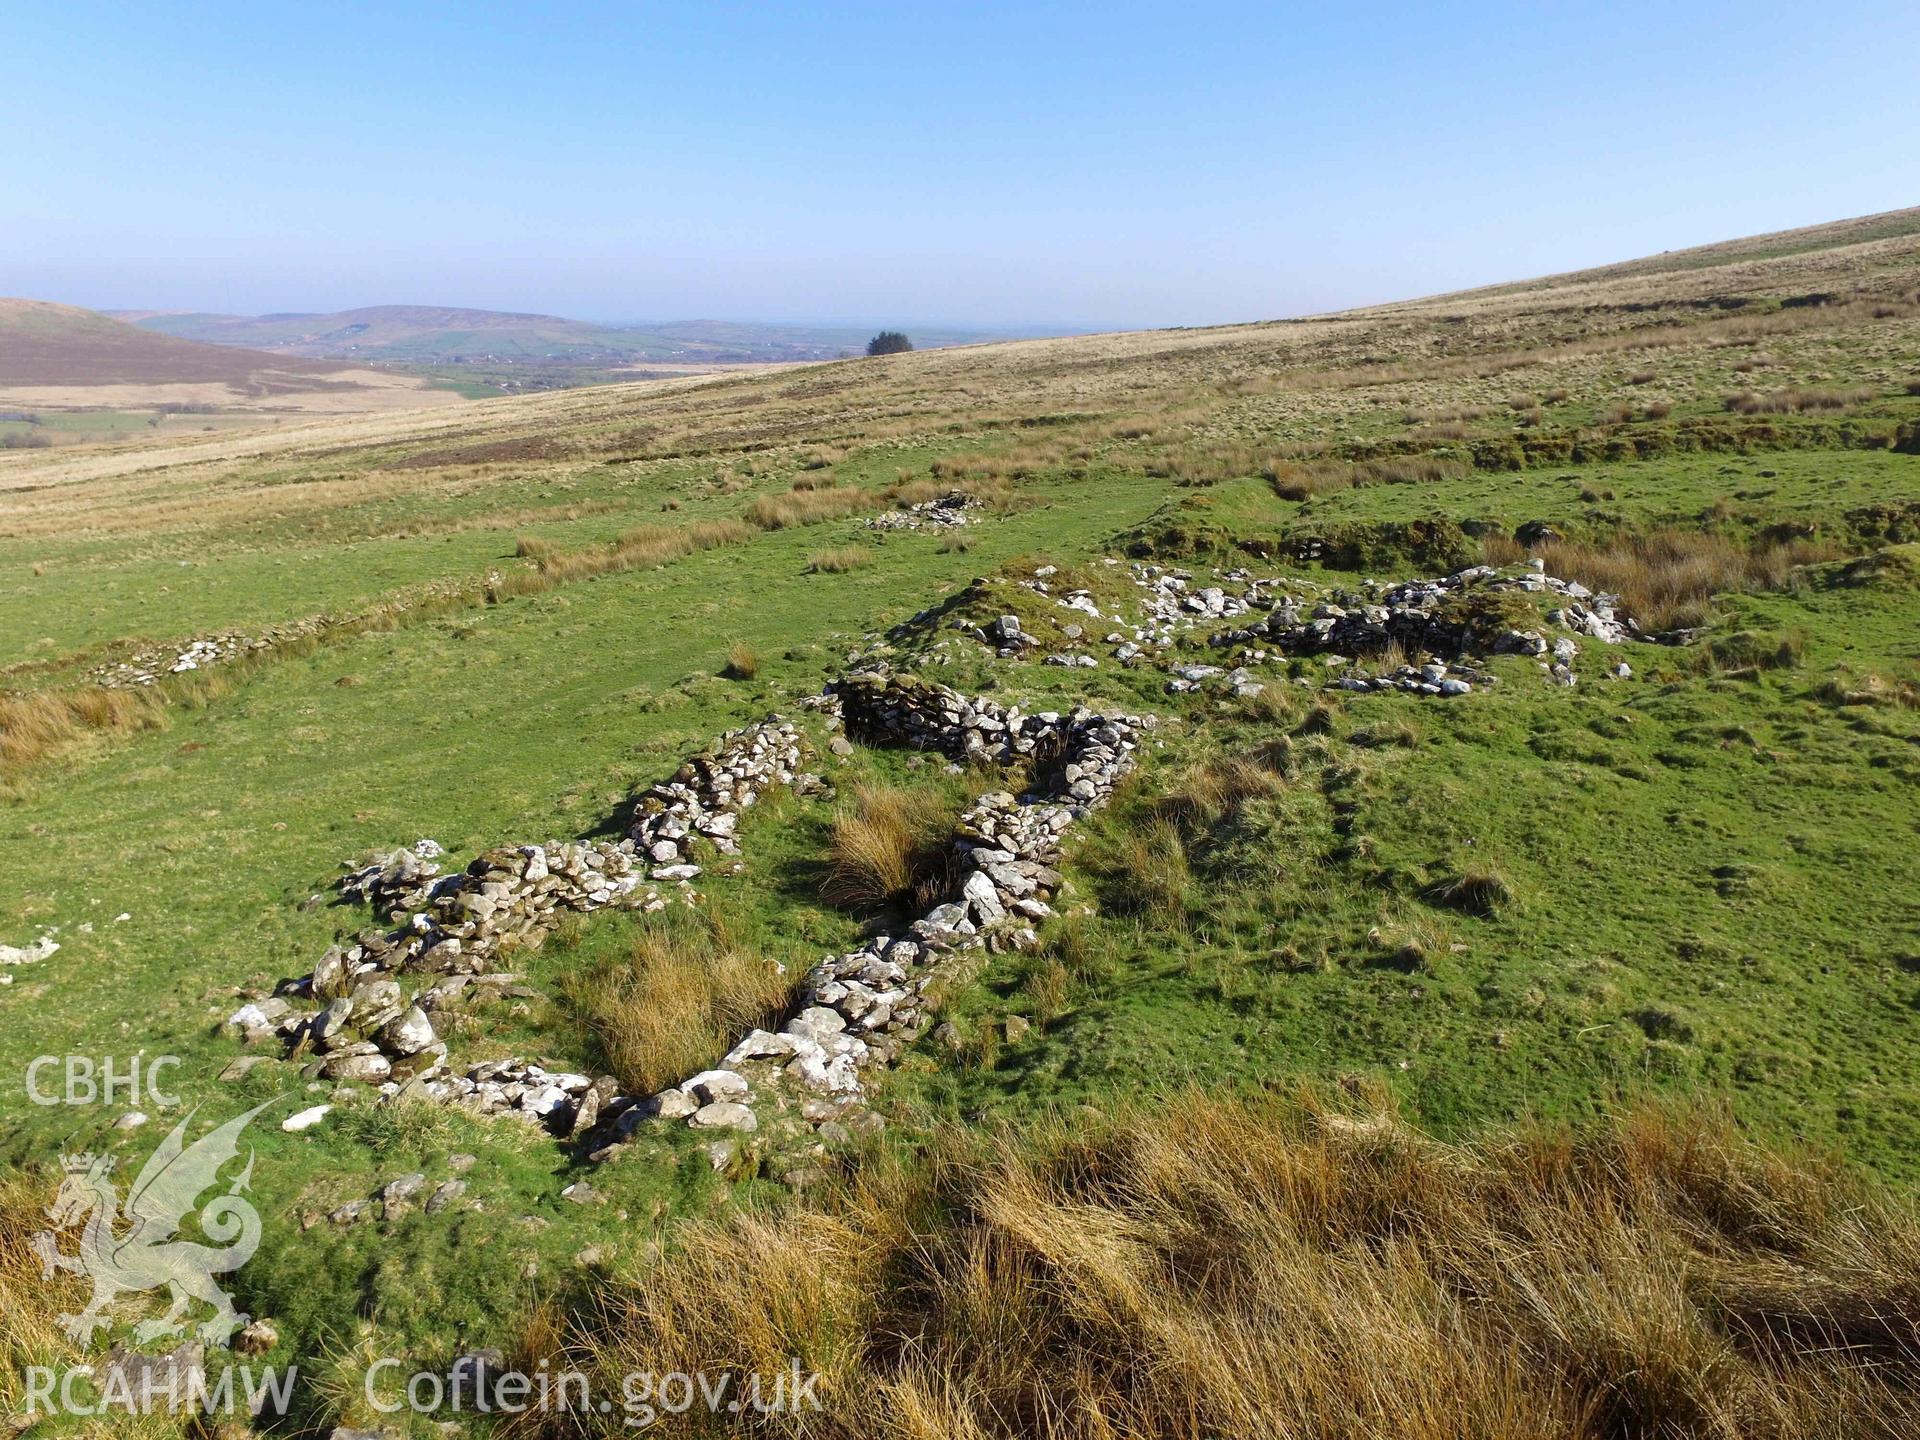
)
(943, 512)
(154, 663)
(1433, 620)
(1422, 617)
(32, 954)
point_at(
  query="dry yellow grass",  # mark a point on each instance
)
(809, 506)
(839, 560)
(1166, 386)
(743, 661)
(37, 725)
(29, 1303)
(1212, 789)
(30, 1307)
(1267, 1268)
(1797, 401)
(1667, 578)
(681, 996)
(890, 846)
(272, 393)
(640, 548)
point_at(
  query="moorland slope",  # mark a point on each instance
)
(59, 358)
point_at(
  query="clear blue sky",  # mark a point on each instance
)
(1105, 164)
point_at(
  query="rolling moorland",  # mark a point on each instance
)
(440, 336)
(1488, 1005)
(69, 375)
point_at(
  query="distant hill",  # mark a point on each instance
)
(443, 335)
(59, 360)
(47, 344)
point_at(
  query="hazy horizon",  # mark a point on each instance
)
(1075, 167)
(613, 322)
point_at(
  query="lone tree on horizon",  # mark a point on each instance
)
(889, 342)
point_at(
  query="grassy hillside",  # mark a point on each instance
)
(1837, 235)
(45, 344)
(1530, 909)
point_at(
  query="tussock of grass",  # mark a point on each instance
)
(1046, 989)
(678, 998)
(809, 507)
(1211, 790)
(991, 475)
(839, 560)
(1150, 872)
(640, 548)
(30, 1309)
(1846, 687)
(890, 847)
(1222, 1267)
(1303, 479)
(1388, 734)
(37, 725)
(1749, 651)
(1666, 578)
(29, 1304)
(1893, 567)
(1797, 401)
(1484, 892)
(1320, 718)
(1146, 863)
(743, 661)
(1414, 942)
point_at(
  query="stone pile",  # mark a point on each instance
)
(1298, 617)
(1418, 617)
(450, 929)
(32, 954)
(399, 880)
(1007, 637)
(704, 800)
(943, 512)
(148, 666)
(858, 1010)
(1434, 677)
(567, 1103)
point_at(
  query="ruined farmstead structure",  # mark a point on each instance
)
(381, 998)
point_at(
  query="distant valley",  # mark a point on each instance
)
(440, 335)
